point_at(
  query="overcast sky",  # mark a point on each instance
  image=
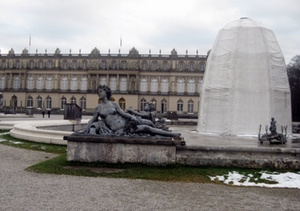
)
(144, 24)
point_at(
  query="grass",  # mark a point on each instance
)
(174, 173)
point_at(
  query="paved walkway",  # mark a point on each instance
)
(22, 190)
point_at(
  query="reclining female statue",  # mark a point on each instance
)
(114, 121)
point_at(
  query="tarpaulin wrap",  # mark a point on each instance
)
(245, 83)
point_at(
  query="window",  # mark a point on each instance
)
(192, 65)
(164, 106)
(30, 83)
(73, 100)
(31, 64)
(154, 65)
(102, 80)
(16, 82)
(83, 84)
(3, 64)
(84, 64)
(113, 65)
(64, 83)
(154, 85)
(49, 83)
(202, 66)
(179, 106)
(41, 64)
(122, 103)
(40, 83)
(164, 86)
(29, 102)
(144, 65)
(180, 85)
(18, 64)
(63, 101)
(83, 103)
(65, 64)
(144, 85)
(39, 102)
(113, 83)
(191, 86)
(123, 84)
(74, 64)
(123, 64)
(50, 64)
(190, 106)
(2, 82)
(181, 65)
(48, 103)
(143, 104)
(103, 65)
(74, 84)
(165, 65)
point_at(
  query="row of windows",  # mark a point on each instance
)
(82, 84)
(82, 103)
(154, 65)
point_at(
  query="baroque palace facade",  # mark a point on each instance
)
(48, 81)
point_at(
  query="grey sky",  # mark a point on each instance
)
(144, 24)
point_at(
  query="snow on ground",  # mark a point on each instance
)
(282, 180)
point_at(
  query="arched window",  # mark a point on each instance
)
(48, 102)
(31, 64)
(123, 84)
(2, 82)
(143, 104)
(181, 66)
(113, 83)
(123, 65)
(41, 64)
(103, 65)
(164, 106)
(144, 65)
(30, 83)
(165, 65)
(144, 85)
(65, 64)
(113, 65)
(74, 82)
(84, 64)
(164, 86)
(64, 83)
(40, 83)
(16, 82)
(122, 103)
(180, 85)
(190, 106)
(102, 80)
(73, 100)
(49, 83)
(18, 64)
(39, 102)
(63, 101)
(3, 64)
(179, 106)
(191, 86)
(154, 65)
(74, 64)
(192, 66)
(83, 84)
(202, 66)
(154, 85)
(50, 64)
(29, 102)
(83, 103)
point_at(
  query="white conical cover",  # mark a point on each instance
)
(245, 83)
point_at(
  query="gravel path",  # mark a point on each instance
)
(21, 190)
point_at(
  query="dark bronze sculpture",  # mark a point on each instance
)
(273, 136)
(115, 122)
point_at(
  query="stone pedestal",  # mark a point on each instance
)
(153, 151)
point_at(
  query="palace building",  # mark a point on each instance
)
(49, 80)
